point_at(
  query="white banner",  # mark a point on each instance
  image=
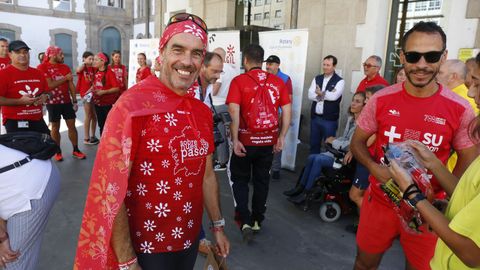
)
(291, 47)
(147, 46)
(230, 42)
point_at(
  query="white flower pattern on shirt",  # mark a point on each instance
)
(177, 232)
(170, 119)
(149, 225)
(162, 187)
(146, 168)
(162, 210)
(154, 145)
(187, 207)
(146, 247)
(141, 189)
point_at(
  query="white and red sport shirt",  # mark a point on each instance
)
(164, 195)
(55, 72)
(15, 83)
(440, 122)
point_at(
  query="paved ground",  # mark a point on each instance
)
(290, 238)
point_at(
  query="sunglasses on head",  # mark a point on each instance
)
(368, 65)
(430, 57)
(181, 17)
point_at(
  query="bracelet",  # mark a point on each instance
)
(4, 238)
(216, 229)
(218, 223)
(411, 189)
(126, 265)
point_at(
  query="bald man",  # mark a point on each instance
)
(452, 74)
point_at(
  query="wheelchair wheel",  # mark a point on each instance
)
(330, 211)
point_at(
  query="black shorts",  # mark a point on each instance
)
(360, 180)
(11, 125)
(56, 111)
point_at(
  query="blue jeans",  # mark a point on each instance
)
(313, 169)
(320, 129)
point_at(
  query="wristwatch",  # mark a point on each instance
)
(218, 223)
(413, 201)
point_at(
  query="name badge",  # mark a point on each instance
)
(22, 124)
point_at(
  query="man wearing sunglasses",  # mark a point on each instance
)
(153, 172)
(371, 69)
(422, 110)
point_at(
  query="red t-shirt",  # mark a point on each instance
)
(120, 72)
(110, 82)
(85, 80)
(57, 72)
(15, 83)
(242, 91)
(164, 195)
(143, 73)
(365, 83)
(439, 121)
(4, 62)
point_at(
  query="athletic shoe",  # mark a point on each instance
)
(87, 142)
(58, 157)
(247, 233)
(219, 167)
(256, 227)
(94, 140)
(78, 155)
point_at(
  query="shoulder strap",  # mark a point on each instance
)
(15, 164)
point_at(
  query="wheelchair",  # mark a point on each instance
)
(331, 188)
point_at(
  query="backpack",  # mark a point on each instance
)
(261, 114)
(35, 144)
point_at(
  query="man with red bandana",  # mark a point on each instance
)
(419, 109)
(253, 148)
(63, 102)
(153, 172)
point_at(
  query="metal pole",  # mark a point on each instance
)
(147, 19)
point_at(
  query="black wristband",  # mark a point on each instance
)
(412, 188)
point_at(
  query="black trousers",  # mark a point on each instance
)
(11, 125)
(254, 166)
(102, 113)
(179, 260)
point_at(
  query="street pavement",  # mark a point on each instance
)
(290, 239)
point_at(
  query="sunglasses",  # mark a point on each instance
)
(430, 57)
(368, 65)
(181, 17)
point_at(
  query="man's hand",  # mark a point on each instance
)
(347, 158)
(99, 92)
(380, 172)
(7, 255)
(27, 100)
(330, 139)
(278, 147)
(222, 244)
(239, 149)
(75, 107)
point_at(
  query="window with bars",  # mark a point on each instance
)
(6, 1)
(266, 15)
(64, 41)
(7, 34)
(257, 16)
(278, 13)
(258, 2)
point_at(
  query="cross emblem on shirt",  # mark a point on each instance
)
(392, 135)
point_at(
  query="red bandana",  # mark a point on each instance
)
(102, 56)
(51, 51)
(187, 26)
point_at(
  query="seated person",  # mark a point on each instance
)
(317, 162)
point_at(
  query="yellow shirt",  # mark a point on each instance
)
(463, 211)
(462, 91)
